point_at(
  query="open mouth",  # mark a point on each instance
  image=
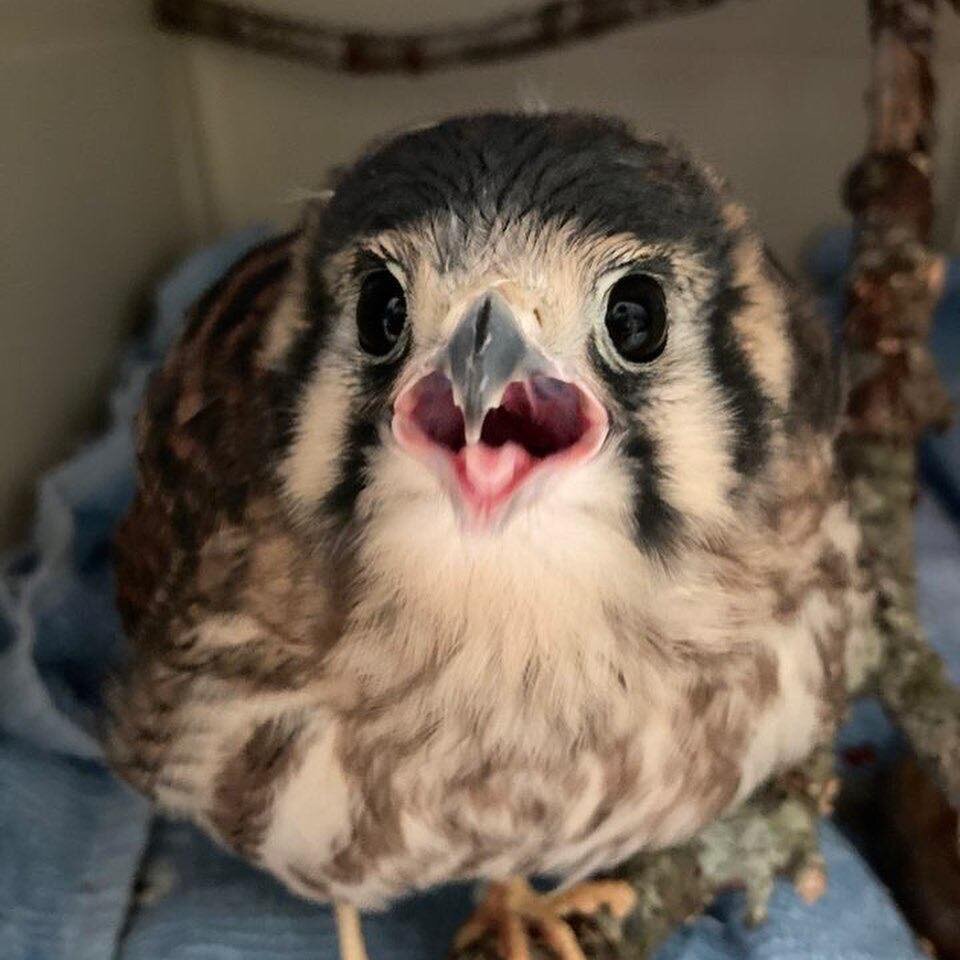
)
(541, 424)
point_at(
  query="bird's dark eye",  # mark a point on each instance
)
(381, 313)
(637, 318)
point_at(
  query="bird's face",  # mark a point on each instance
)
(506, 315)
(497, 399)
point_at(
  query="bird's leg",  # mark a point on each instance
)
(349, 931)
(513, 907)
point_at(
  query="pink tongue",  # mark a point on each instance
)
(491, 471)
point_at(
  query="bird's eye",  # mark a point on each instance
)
(381, 313)
(636, 318)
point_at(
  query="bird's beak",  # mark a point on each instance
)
(486, 353)
(494, 414)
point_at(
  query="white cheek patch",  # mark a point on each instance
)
(761, 323)
(310, 467)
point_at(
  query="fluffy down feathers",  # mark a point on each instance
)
(338, 679)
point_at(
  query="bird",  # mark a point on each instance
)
(488, 526)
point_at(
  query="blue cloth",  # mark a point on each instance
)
(88, 872)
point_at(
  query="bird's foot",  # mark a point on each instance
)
(512, 909)
(349, 932)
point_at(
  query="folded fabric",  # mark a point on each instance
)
(88, 872)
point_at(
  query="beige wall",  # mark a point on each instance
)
(770, 90)
(89, 208)
(119, 148)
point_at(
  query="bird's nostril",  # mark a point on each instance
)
(547, 388)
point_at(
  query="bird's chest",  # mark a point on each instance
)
(522, 736)
(540, 780)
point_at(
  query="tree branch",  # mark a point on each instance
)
(896, 393)
(551, 24)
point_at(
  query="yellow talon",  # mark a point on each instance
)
(511, 908)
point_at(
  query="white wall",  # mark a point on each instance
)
(90, 207)
(119, 148)
(770, 90)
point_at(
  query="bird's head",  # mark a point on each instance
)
(508, 315)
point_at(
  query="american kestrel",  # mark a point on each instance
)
(488, 526)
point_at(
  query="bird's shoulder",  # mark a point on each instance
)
(204, 433)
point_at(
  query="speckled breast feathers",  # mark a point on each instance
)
(489, 523)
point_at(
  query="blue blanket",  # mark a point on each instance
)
(89, 872)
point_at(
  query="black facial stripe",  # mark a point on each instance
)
(300, 361)
(341, 500)
(749, 406)
(369, 411)
(303, 354)
(657, 524)
(484, 171)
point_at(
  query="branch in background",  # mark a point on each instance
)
(332, 47)
(896, 394)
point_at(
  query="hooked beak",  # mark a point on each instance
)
(494, 417)
(486, 353)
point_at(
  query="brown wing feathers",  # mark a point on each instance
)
(200, 431)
